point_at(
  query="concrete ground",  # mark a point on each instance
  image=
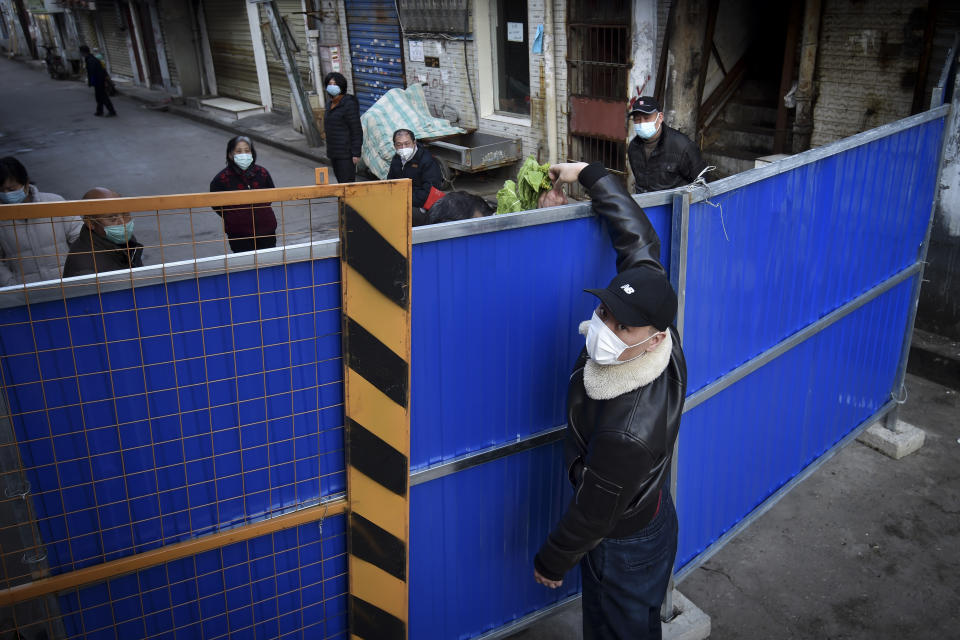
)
(865, 548)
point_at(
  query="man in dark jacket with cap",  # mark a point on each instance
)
(624, 404)
(413, 161)
(660, 157)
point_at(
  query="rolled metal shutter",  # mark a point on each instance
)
(375, 51)
(168, 52)
(292, 12)
(232, 49)
(115, 37)
(87, 29)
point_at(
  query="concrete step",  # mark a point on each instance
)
(752, 139)
(749, 113)
(230, 108)
(935, 358)
(728, 162)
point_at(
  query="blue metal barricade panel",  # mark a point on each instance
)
(150, 415)
(739, 447)
(499, 312)
(789, 249)
(473, 536)
(290, 584)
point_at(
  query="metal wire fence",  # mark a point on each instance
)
(196, 398)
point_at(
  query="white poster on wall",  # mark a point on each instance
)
(416, 51)
(514, 32)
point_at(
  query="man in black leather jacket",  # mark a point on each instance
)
(660, 157)
(624, 404)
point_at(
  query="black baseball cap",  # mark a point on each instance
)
(639, 297)
(643, 104)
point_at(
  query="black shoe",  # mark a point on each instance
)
(99, 115)
(112, 114)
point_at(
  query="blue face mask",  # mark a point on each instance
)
(119, 233)
(333, 90)
(645, 130)
(13, 197)
(243, 160)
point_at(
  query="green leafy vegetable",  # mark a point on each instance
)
(507, 200)
(532, 180)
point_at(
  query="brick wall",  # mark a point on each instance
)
(866, 65)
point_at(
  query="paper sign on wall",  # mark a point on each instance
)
(416, 51)
(514, 32)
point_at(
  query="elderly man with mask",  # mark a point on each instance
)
(624, 402)
(660, 157)
(414, 162)
(106, 242)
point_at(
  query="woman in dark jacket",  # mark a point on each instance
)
(341, 125)
(248, 226)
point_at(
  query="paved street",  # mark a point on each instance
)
(49, 126)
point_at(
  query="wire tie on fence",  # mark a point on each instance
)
(701, 182)
(18, 492)
(903, 393)
(326, 505)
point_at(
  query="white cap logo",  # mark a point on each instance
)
(627, 289)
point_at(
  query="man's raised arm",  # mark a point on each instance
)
(634, 238)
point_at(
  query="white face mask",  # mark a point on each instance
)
(603, 345)
(406, 153)
(646, 130)
(243, 160)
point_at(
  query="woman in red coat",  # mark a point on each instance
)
(248, 226)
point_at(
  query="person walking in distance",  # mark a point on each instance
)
(97, 78)
(624, 403)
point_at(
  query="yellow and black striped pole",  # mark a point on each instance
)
(375, 273)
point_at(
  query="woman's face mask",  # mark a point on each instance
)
(243, 160)
(13, 197)
(333, 90)
(603, 345)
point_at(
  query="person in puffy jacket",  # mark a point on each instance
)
(248, 226)
(34, 249)
(341, 126)
(415, 162)
(624, 403)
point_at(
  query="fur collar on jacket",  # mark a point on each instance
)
(604, 382)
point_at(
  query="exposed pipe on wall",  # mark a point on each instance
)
(803, 120)
(550, 88)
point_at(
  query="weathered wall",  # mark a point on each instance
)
(866, 65)
(939, 307)
(448, 92)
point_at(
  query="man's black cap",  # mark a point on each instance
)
(643, 104)
(639, 297)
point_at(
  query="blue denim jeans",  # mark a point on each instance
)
(625, 580)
